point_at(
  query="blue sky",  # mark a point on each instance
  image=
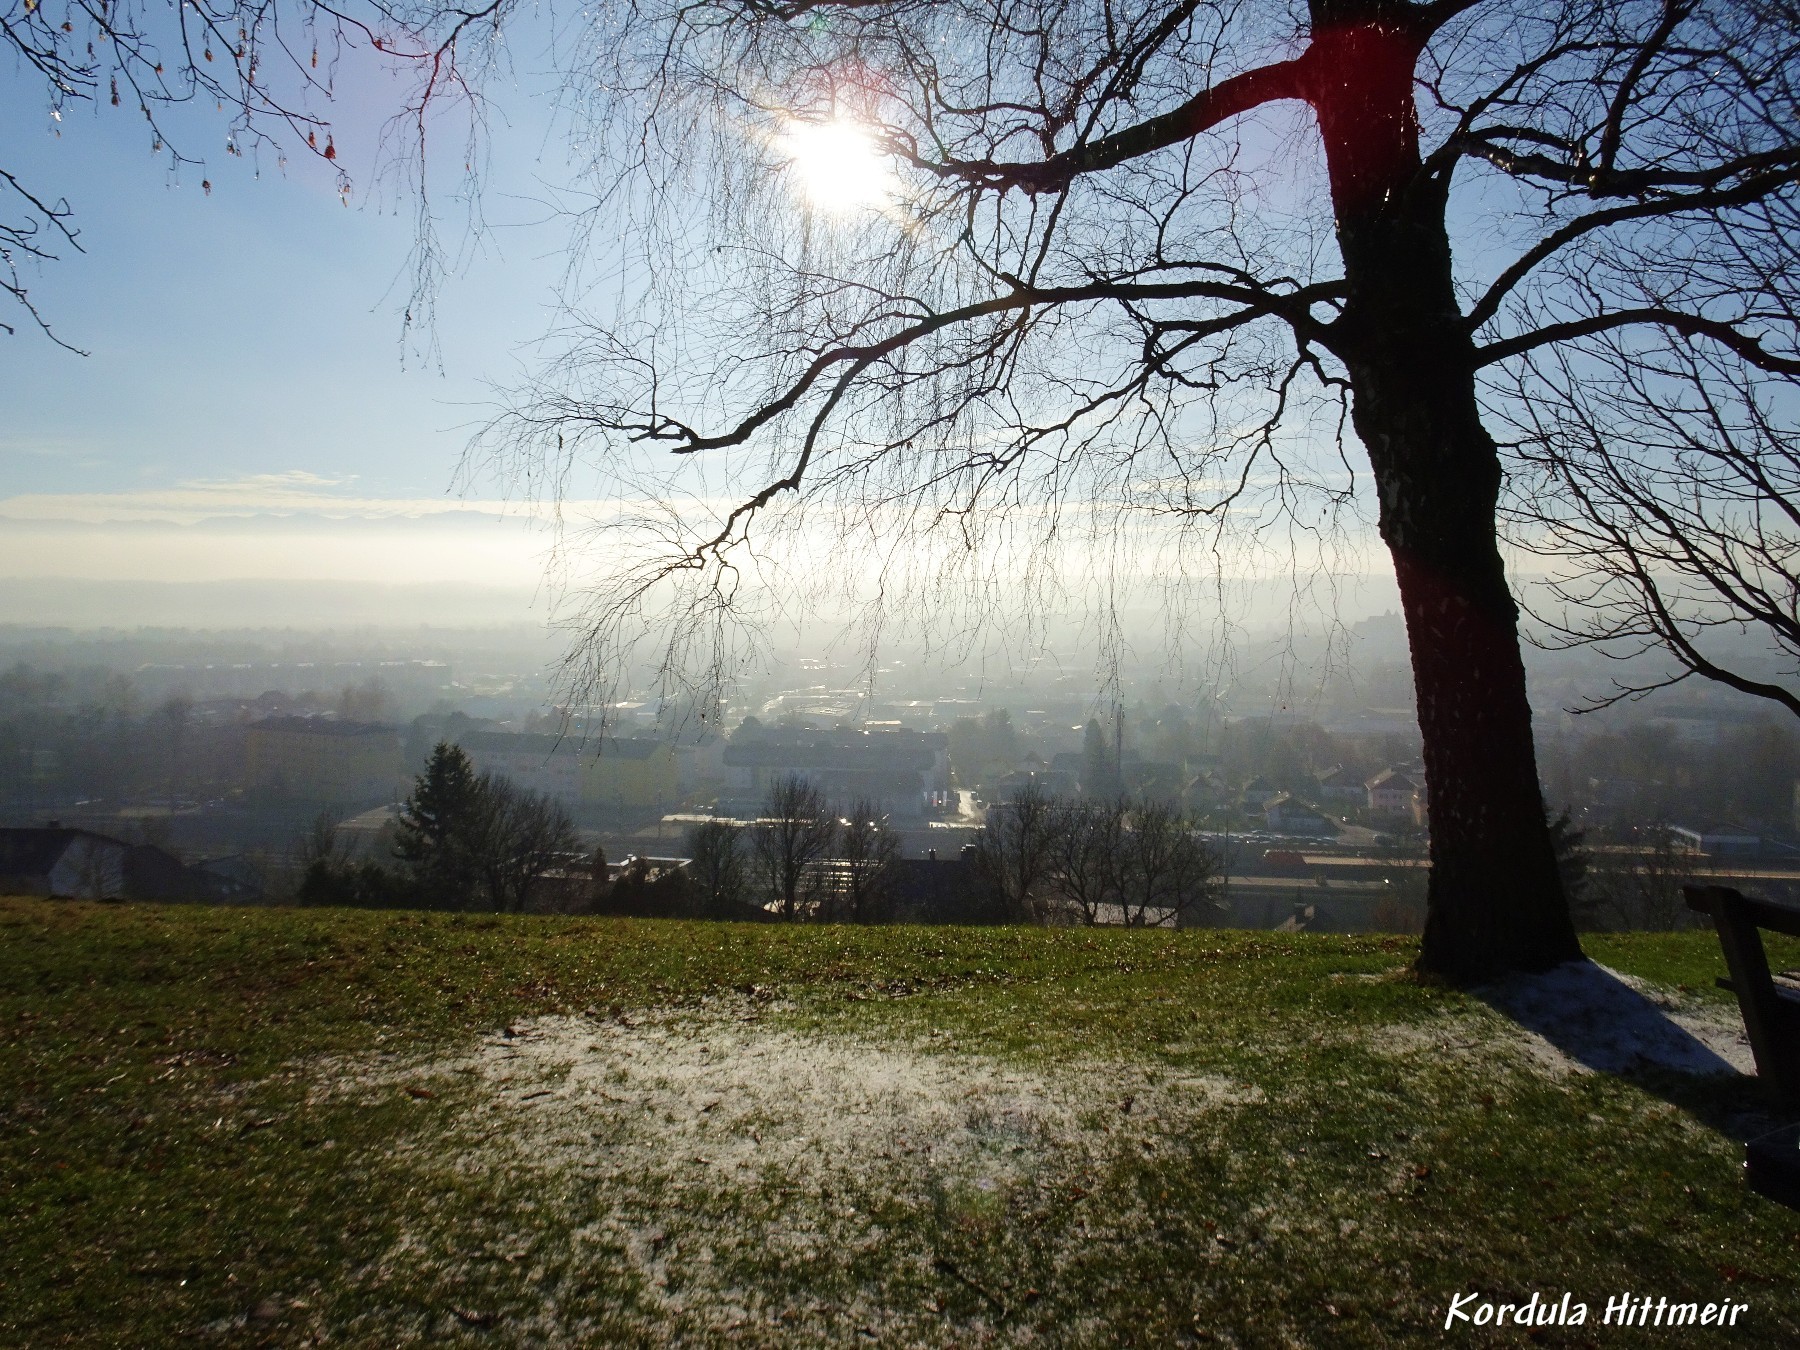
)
(246, 356)
(249, 408)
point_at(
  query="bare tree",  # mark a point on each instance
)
(1639, 884)
(519, 836)
(322, 845)
(270, 67)
(1667, 486)
(716, 866)
(369, 701)
(869, 850)
(1078, 272)
(1015, 853)
(793, 833)
(1167, 262)
(1087, 853)
(1167, 877)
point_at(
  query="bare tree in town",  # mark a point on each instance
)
(1015, 853)
(520, 836)
(1167, 877)
(1087, 852)
(793, 833)
(1639, 886)
(869, 851)
(716, 867)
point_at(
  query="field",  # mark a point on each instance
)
(302, 1127)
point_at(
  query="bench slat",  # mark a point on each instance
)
(1769, 914)
(1771, 1012)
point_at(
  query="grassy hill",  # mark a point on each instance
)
(293, 1127)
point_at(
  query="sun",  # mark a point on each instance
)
(837, 166)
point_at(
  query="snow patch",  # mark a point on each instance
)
(1585, 1018)
(725, 1146)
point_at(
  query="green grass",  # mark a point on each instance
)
(266, 1127)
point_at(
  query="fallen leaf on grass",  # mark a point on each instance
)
(422, 1094)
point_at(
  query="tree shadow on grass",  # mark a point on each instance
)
(1696, 1058)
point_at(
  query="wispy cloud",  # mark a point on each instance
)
(293, 492)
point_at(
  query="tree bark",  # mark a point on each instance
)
(1496, 902)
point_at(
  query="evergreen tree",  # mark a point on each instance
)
(438, 825)
(1572, 859)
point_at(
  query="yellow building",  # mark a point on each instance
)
(629, 773)
(325, 760)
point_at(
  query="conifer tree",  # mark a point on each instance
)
(437, 826)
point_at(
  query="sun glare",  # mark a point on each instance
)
(837, 166)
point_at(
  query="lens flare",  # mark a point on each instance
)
(837, 166)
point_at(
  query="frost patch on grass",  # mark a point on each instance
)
(1442, 1038)
(1584, 1017)
(726, 1174)
(724, 1095)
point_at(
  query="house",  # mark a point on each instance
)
(69, 863)
(1050, 782)
(639, 772)
(76, 864)
(1338, 784)
(1159, 780)
(1204, 792)
(1395, 793)
(325, 759)
(905, 773)
(1285, 815)
(1258, 793)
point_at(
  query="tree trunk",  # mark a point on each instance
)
(1496, 902)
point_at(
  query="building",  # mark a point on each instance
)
(1258, 793)
(629, 774)
(1204, 793)
(74, 864)
(1051, 780)
(325, 759)
(1395, 793)
(1717, 841)
(905, 773)
(1285, 815)
(700, 764)
(541, 763)
(1338, 784)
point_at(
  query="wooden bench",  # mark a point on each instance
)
(1771, 1012)
(1771, 1009)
